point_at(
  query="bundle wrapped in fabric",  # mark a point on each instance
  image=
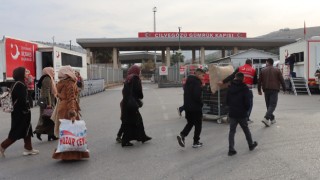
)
(218, 73)
(73, 136)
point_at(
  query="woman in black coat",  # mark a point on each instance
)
(132, 124)
(20, 116)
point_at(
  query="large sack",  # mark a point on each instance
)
(73, 136)
(218, 73)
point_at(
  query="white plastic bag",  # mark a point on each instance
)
(73, 136)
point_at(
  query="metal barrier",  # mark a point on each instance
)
(92, 87)
(103, 71)
(173, 79)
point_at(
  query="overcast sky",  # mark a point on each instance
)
(66, 20)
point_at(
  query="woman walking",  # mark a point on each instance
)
(132, 124)
(20, 116)
(68, 108)
(48, 91)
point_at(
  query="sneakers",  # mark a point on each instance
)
(179, 112)
(2, 152)
(181, 140)
(253, 146)
(250, 121)
(231, 153)
(30, 152)
(266, 122)
(197, 144)
(273, 121)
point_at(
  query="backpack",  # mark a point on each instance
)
(6, 100)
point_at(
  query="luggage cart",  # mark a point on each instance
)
(214, 105)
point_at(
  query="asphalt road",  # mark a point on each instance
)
(287, 150)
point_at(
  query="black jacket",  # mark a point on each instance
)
(21, 116)
(192, 94)
(238, 99)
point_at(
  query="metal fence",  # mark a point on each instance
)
(90, 87)
(103, 71)
(173, 79)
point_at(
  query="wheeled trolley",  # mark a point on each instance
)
(214, 105)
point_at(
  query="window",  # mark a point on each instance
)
(299, 57)
(47, 60)
(257, 61)
(72, 60)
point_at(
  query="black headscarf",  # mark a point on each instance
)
(19, 74)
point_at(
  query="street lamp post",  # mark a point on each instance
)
(154, 30)
(179, 51)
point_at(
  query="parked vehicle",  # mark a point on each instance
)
(34, 57)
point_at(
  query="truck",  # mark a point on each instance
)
(34, 57)
(307, 59)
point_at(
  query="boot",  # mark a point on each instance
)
(38, 135)
(126, 144)
(145, 139)
(52, 138)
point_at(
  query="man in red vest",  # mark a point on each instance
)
(250, 78)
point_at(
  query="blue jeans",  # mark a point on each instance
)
(271, 98)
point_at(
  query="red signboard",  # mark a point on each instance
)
(192, 35)
(20, 53)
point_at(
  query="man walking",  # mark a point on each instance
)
(193, 108)
(238, 100)
(270, 79)
(250, 78)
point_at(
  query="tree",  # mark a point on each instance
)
(102, 55)
(177, 57)
(148, 66)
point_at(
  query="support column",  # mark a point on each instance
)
(235, 50)
(89, 56)
(193, 56)
(223, 53)
(115, 58)
(168, 56)
(202, 55)
(163, 56)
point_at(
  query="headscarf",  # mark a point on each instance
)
(133, 71)
(50, 72)
(19, 74)
(66, 72)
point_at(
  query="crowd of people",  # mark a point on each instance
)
(59, 98)
(239, 100)
(63, 99)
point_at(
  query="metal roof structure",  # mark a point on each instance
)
(137, 57)
(150, 44)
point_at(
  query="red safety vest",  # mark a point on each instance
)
(248, 73)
